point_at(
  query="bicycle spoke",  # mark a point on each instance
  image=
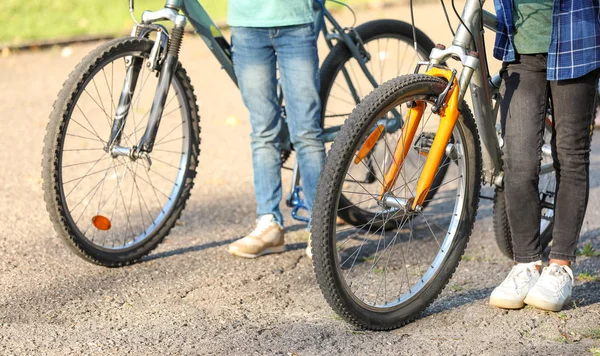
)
(108, 118)
(165, 136)
(110, 92)
(85, 128)
(357, 82)
(173, 140)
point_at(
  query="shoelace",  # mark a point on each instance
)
(558, 272)
(263, 224)
(520, 275)
(517, 273)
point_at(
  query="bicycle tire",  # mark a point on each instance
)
(502, 228)
(331, 280)
(340, 56)
(53, 152)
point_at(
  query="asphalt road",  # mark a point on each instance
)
(190, 296)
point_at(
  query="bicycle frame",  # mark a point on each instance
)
(468, 47)
(476, 77)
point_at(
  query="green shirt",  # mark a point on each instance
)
(533, 25)
(269, 13)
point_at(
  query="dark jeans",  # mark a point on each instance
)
(523, 114)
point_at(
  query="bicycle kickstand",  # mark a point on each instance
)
(294, 200)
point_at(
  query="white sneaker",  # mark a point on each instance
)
(553, 289)
(266, 238)
(511, 293)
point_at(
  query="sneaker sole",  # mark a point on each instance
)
(545, 305)
(277, 249)
(506, 304)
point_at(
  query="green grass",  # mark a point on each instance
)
(592, 333)
(586, 277)
(41, 19)
(588, 250)
(24, 21)
(469, 258)
(456, 288)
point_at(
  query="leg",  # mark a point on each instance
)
(523, 113)
(254, 64)
(573, 102)
(299, 67)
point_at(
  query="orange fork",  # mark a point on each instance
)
(403, 146)
(448, 116)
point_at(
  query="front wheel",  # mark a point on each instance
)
(384, 273)
(113, 209)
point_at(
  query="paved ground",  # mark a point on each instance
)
(190, 296)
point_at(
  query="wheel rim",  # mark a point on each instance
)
(96, 186)
(374, 261)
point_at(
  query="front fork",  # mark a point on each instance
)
(168, 66)
(134, 66)
(448, 109)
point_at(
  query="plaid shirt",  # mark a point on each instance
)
(575, 44)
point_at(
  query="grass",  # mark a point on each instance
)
(586, 277)
(562, 316)
(561, 340)
(25, 21)
(41, 19)
(588, 250)
(456, 288)
(470, 258)
(378, 270)
(592, 333)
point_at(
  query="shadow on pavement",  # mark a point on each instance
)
(457, 300)
(184, 250)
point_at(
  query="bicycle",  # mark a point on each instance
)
(385, 272)
(115, 184)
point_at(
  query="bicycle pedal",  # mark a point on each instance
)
(424, 142)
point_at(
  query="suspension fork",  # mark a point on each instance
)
(134, 65)
(169, 66)
(448, 109)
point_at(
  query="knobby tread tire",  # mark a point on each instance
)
(340, 54)
(324, 215)
(502, 227)
(55, 132)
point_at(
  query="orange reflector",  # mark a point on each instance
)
(101, 222)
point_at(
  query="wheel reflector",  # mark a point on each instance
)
(101, 222)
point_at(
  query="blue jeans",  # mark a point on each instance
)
(257, 53)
